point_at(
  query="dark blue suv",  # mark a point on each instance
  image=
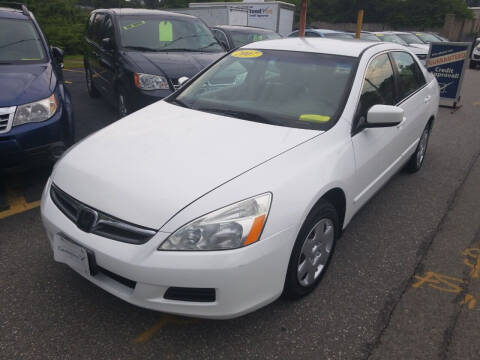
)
(36, 121)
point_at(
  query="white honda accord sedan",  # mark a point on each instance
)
(233, 191)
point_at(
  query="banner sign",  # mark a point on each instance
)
(447, 61)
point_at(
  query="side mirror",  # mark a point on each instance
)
(57, 54)
(182, 80)
(384, 116)
(107, 44)
(224, 45)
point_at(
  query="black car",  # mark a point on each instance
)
(36, 117)
(232, 36)
(135, 57)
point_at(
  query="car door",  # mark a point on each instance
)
(106, 58)
(377, 150)
(413, 96)
(97, 32)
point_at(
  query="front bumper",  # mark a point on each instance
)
(35, 142)
(244, 279)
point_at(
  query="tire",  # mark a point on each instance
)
(473, 65)
(121, 107)
(92, 90)
(416, 160)
(304, 273)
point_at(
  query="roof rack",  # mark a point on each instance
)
(17, 6)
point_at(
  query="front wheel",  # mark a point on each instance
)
(416, 161)
(312, 251)
(122, 108)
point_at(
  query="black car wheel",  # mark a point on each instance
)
(92, 91)
(312, 251)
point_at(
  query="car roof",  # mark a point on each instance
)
(239, 27)
(9, 13)
(145, 12)
(344, 47)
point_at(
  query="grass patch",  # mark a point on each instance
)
(73, 61)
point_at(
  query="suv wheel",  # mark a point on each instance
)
(92, 90)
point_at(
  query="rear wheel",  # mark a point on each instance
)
(416, 161)
(92, 90)
(312, 251)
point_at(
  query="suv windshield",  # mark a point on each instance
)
(19, 42)
(286, 88)
(160, 33)
(410, 39)
(391, 38)
(241, 38)
(427, 38)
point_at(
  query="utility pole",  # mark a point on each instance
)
(359, 23)
(303, 19)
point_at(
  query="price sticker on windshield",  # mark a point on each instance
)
(247, 54)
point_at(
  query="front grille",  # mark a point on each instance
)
(175, 84)
(475, 56)
(124, 281)
(190, 294)
(6, 119)
(93, 221)
(422, 56)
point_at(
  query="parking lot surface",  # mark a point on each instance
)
(404, 282)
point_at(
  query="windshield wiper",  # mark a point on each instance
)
(16, 42)
(238, 114)
(180, 103)
(141, 48)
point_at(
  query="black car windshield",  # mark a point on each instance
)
(410, 39)
(163, 33)
(20, 42)
(241, 38)
(286, 88)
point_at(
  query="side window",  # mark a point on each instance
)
(108, 31)
(98, 28)
(410, 76)
(378, 87)
(220, 36)
(90, 26)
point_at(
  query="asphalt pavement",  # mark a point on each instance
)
(404, 282)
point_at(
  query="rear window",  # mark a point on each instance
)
(20, 42)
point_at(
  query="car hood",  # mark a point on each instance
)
(173, 64)
(148, 166)
(22, 84)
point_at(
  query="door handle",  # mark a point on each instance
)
(427, 99)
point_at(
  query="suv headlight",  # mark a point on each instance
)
(150, 82)
(231, 227)
(36, 111)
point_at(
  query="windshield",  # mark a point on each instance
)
(286, 88)
(19, 42)
(161, 33)
(410, 39)
(339, 35)
(391, 38)
(369, 37)
(428, 38)
(241, 38)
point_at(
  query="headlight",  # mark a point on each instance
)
(231, 227)
(150, 82)
(36, 112)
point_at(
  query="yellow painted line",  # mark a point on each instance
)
(476, 103)
(68, 82)
(148, 334)
(17, 203)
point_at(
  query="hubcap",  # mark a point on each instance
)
(422, 147)
(315, 252)
(122, 108)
